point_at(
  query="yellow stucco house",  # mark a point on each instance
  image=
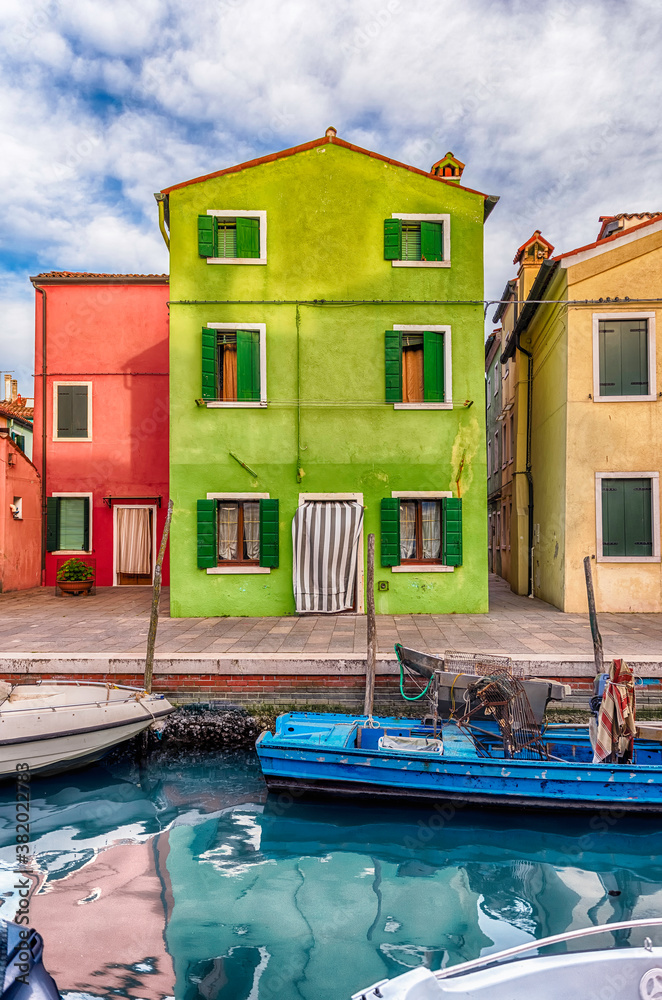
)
(580, 373)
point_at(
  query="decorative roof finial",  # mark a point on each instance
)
(331, 132)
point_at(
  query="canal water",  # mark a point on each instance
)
(182, 878)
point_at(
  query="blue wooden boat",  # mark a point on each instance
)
(396, 759)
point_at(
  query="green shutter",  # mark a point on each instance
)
(627, 517)
(451, 526)
(207, 235)
(209, 363)
(79, 410)
(248, 365)
(623, 350)
(269, 533)
(390, 541)
(86, 524)
(52, 524)
(392, 239)
(207, 555)
(393, 357)
(248, 237)
(65, 416)
(431, 241)
(433, 367)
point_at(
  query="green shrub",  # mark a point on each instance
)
(75, 569)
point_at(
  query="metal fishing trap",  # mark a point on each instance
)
(503, 698)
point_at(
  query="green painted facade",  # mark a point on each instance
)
(327, 427)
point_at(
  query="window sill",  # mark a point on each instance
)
(236, 260)
(422, 568)
(235, 404)
(423, 406)
(71, 552)
(421, 263)
(628, 559)
(625, 399)
(237, 570)
(66, 440)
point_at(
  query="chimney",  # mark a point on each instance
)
(529, 257)
(7, 388)
(449, 167)
(14, 390)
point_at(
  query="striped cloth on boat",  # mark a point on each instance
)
(616, 721)
(325, 538)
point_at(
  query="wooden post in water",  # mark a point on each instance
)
(156, 594)
(595, 631)
(371, 658)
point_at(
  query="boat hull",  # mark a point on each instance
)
(68, 727)
(458, 777)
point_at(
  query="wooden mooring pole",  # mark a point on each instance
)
(595, 631)
(371, 658)
(156, 594)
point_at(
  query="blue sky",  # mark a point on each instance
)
(553, 106)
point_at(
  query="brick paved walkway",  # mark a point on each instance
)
(116, 620)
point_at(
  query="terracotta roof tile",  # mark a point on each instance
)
(92, 274)
(608, 239)
(16, 408)
(326, 139)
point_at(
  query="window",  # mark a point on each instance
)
(624, 357)
(417, 240)
(421, 531)
(72, 411)
(489, 389)
(489, 459)
(418, 367)
(238, 533)
(18, 439)
(512, 439)
(234, 365)
(496, 450)
(68, 523)
(233, 237)
(627, 514)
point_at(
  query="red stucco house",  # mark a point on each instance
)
(101, 421)
(20, 517)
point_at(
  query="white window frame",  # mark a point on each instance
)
(655, 516)
(445, 220)
(448, 367)
(234, 404)
(421, 495)
(360, 583)
(55, 437)
(133, 506)
(77, 552)
(236, 570)
(233, 213)
(652, 374)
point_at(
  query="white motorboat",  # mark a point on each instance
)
(59, 725)
(633, 973)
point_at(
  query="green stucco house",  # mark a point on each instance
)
(326, 382)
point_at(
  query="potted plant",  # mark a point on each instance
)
(75, 577)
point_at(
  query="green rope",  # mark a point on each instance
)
(408, 697)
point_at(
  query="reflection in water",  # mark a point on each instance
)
(186, 881)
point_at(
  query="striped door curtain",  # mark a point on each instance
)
(326, 539)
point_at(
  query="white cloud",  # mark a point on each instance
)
(551, 106)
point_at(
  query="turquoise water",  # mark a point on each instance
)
(183, 879)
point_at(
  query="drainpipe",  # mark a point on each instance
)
(529, 477)
(160, 200)
(44, 504)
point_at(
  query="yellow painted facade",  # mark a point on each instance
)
(576, 438)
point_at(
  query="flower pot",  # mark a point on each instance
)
(75, 587)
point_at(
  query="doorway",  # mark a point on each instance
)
(327, 535)
(134, 545)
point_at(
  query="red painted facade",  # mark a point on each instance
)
(20, 519)
(108, 333)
